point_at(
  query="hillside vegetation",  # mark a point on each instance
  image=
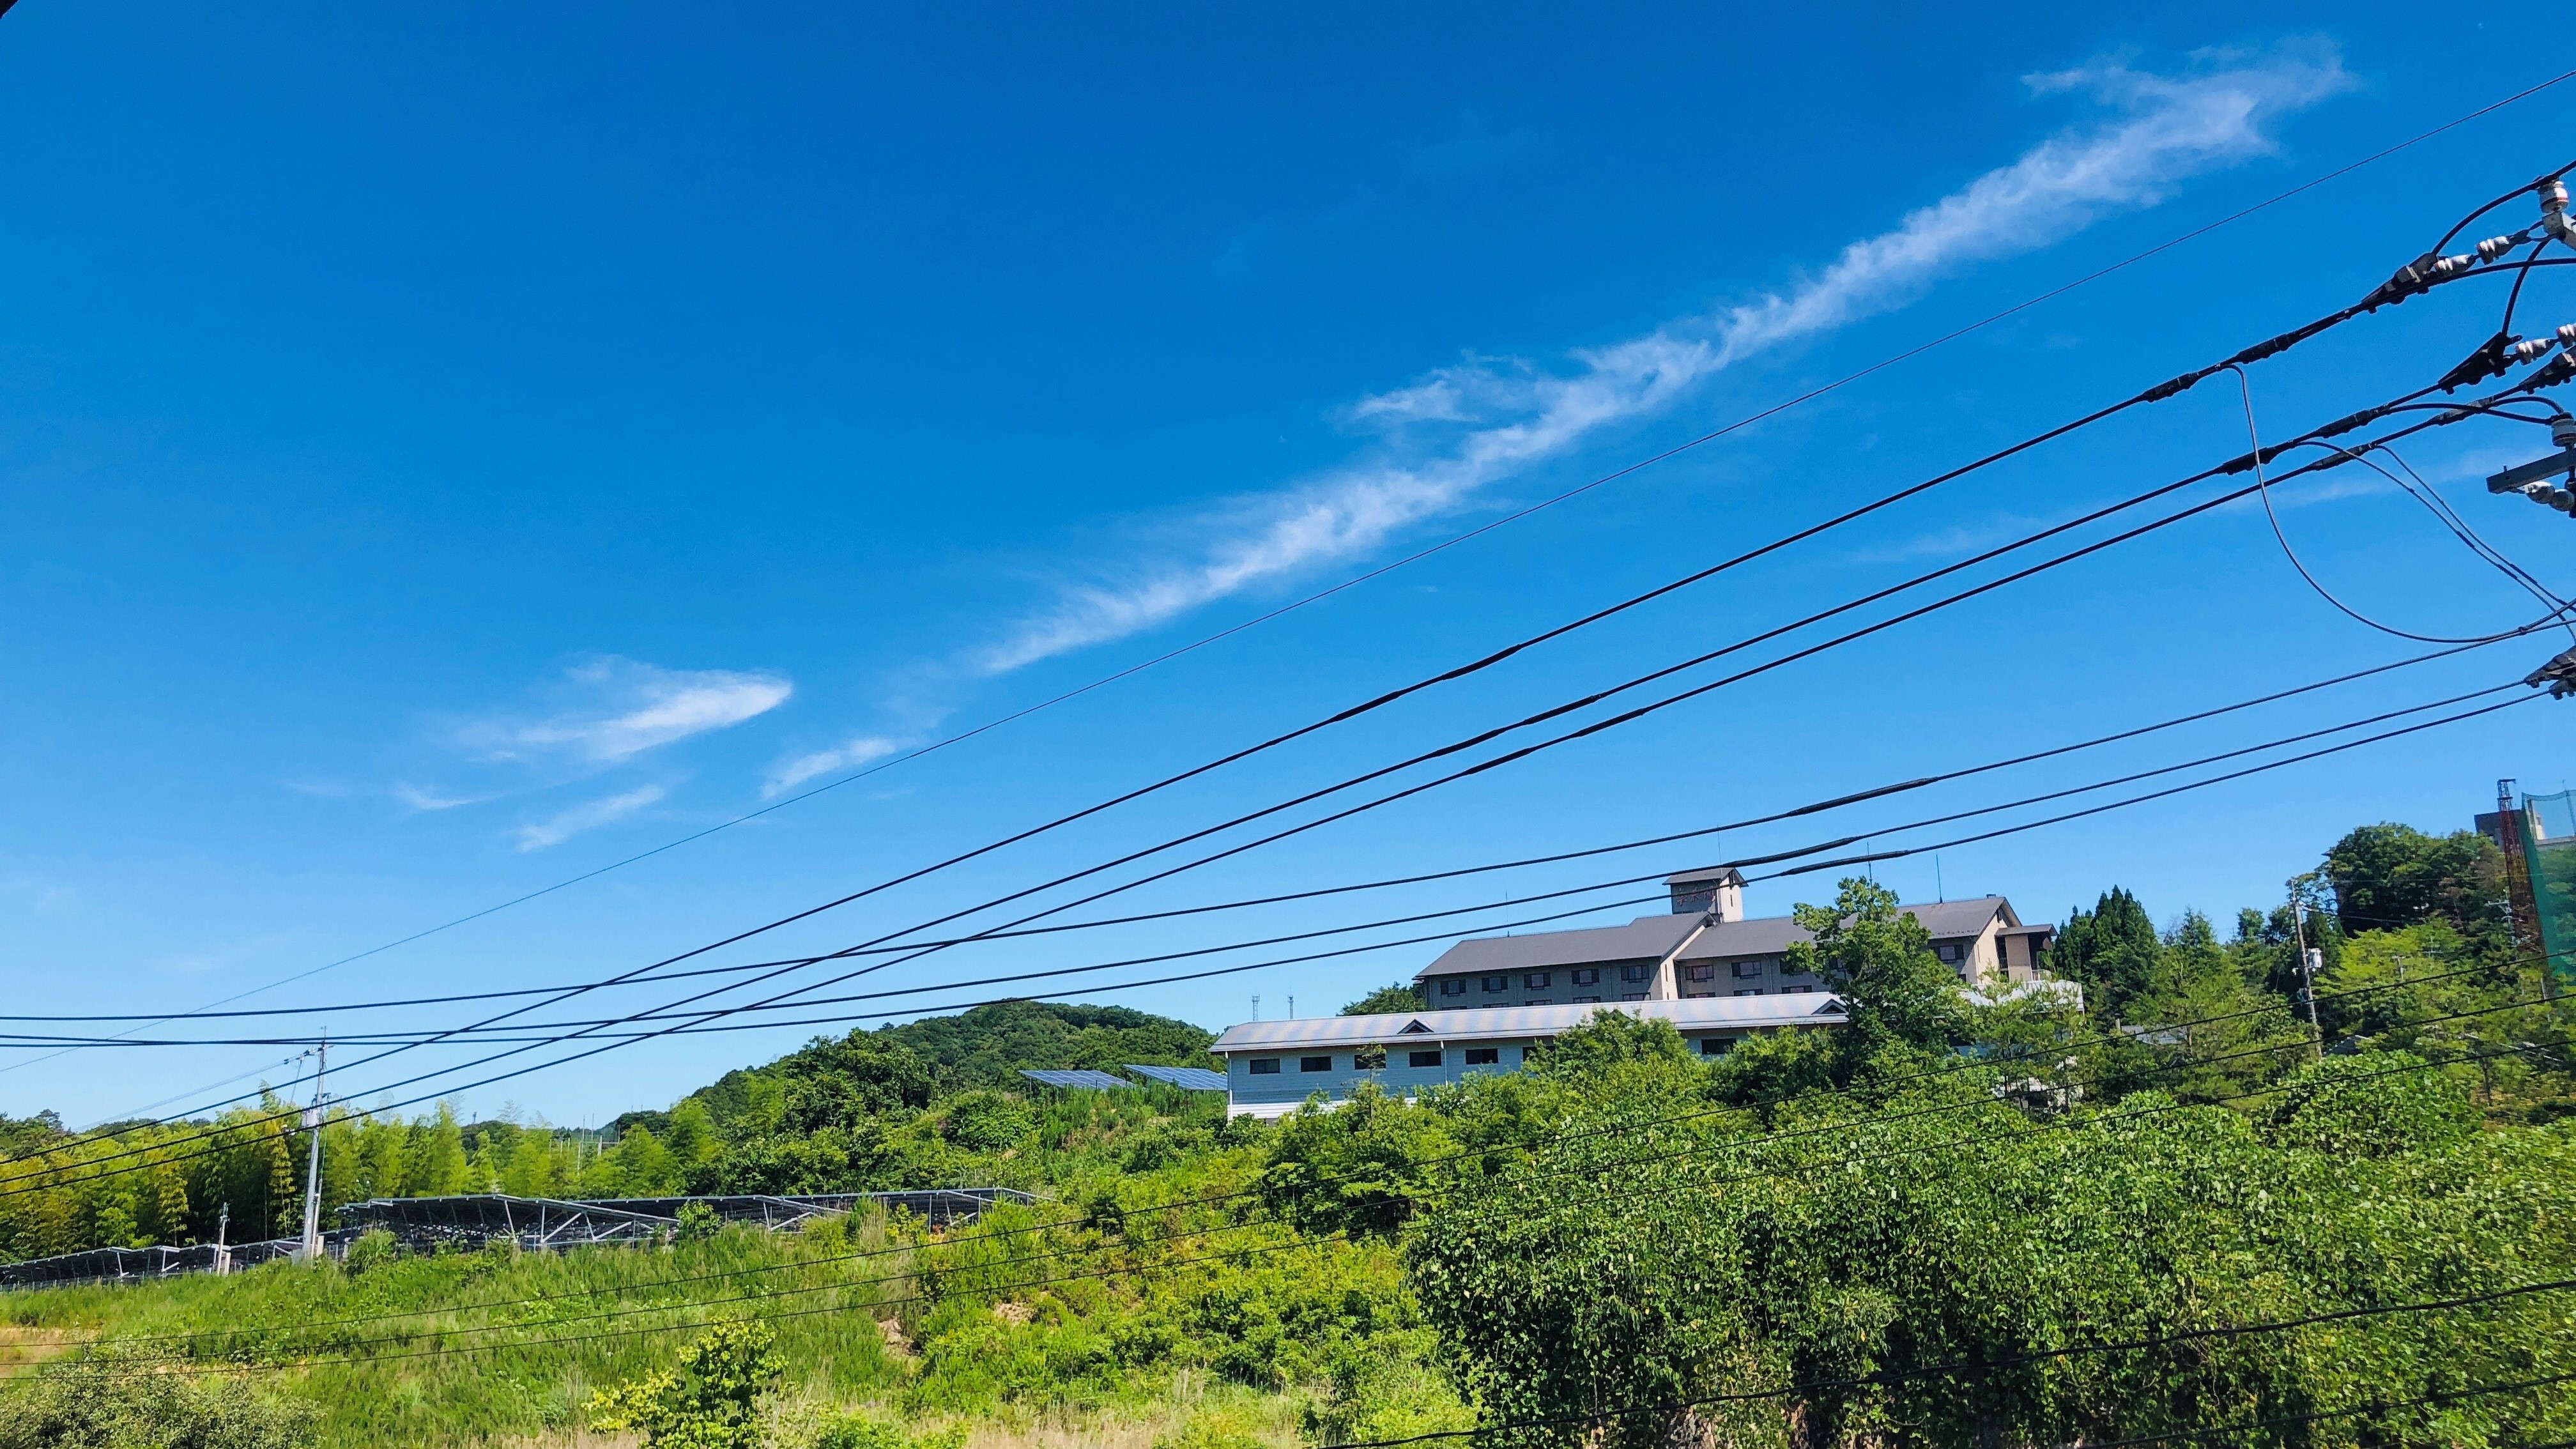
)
(1945, 1223)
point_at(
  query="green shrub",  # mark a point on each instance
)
(698, 1222)
(371, 1251)
(988, 1121)
(2370, 1106)
(858, 1431)
(140, 1404)
(710, 1401)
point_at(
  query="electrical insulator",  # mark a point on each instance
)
(2449, 266)
(2553, 210)
(2527, 351)
(2496, 246)
(2566, 333)
(2562, 431)
(2562, 500)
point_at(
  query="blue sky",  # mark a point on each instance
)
(448, 452)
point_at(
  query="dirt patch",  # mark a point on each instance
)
(23, 1348)
(1015, 1314)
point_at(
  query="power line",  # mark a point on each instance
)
(700, 1025)
(13, 1186)
(1990, 319)
(1875, 1119)
(1810, 808)
(1588, 1169)
(2273, 347)
(1524, 898)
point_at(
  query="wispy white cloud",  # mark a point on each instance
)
(625, 707)
(1460, 430)
(1957, 540)
(430, 798)
(591, 815)
(788, 774)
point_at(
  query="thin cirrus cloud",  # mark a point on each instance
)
(624, 707)
(789, 774)
(590, 815)
(430, 798)
(1462, 430)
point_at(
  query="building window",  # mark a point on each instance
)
(1484, 1056)
(1795, 990)
(1422, 1059)
(1587, 975)
(1314, 1064)
(1538, 1001)
(1636, 971)
(1697, 995)
(1947, 951)
(1705, 971)
(1535, 980)
(1265, 1066)
(1750, 991)
(1368, 1059)
(1632, 996)
(1747, 970)
(1453, 985)
(1715, 1046)
(1580, 1000)
(1498, 983)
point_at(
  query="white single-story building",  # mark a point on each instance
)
(1272, 1066)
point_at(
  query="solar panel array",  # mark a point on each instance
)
(1059, 1077)
(1188, 1079)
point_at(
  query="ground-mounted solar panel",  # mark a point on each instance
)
(1188, 1079)
(1060, 1077)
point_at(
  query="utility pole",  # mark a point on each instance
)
(2308, 963)
(311, 1248)
(223, 1253)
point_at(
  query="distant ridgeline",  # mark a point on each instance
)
(919, 1062)
(934, 1103)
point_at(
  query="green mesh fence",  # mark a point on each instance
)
(2549, 849)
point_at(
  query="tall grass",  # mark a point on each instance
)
(388, 1319)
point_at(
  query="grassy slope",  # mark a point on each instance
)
(1020, 1340)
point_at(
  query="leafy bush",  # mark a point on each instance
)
(710, 1401)
(134, 1403)
(858, 1431)
(373, 1249)
(987, 1121)
(698, 1222)
(2370, 1106)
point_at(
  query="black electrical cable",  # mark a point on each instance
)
(2252, 459)
(1743, 422)
(556, 1029)
(2236, 465)
(714, 1014)
(2424, 493)
(1810, 808)
(238, 1128)
(2263, 489)
(1623, 1129)
(1588, 1169)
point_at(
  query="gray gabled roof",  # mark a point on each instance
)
(1711, 875)
(1647, 938)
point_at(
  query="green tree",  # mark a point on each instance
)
(2387, 877)
(1389, 999)
(711, 1400)
(1909, 1275)
(2111, 950)
(434, 1164)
